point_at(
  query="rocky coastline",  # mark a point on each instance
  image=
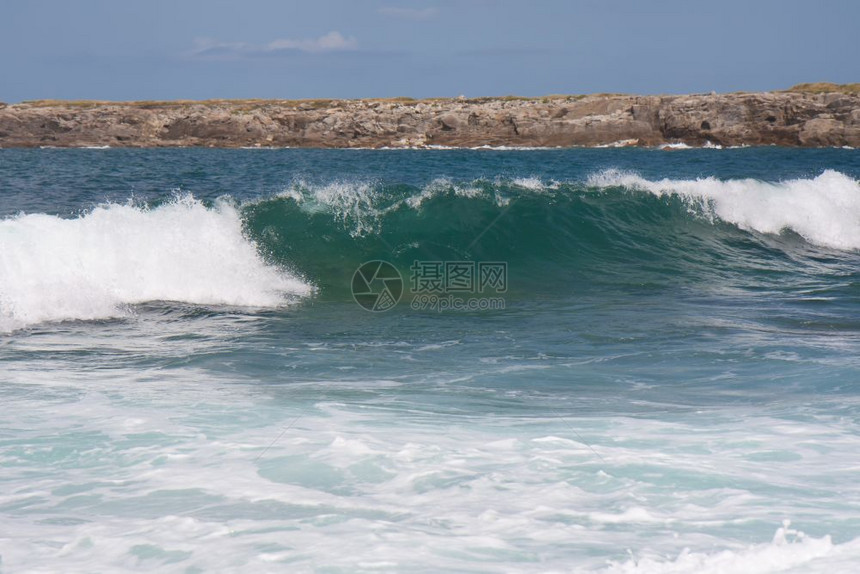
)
(827, 116)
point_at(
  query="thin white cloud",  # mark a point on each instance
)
(408, 13)
(331, 42)
(207, 48)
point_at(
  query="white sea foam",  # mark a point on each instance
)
(707, 145)
(790, 550)
(513, 148)
(115, 475)
(825, 210)
(677, 145)
(619, 143)
(95, 265)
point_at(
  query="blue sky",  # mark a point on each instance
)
(196, 49)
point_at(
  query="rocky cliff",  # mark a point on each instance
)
(822, 117)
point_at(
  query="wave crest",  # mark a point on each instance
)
(94, 266)
(824, 210)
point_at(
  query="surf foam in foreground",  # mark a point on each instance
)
(91, 267)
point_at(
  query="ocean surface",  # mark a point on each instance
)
(577, 360)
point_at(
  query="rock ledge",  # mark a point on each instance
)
(811, 118)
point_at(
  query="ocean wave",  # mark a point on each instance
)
(824, 210)
(613, 229)
(96, 265)
(362, 205)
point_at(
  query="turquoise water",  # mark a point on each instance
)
(669, 373)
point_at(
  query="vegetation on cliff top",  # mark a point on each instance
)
(252, 103)
(305, 104)
(826, 87)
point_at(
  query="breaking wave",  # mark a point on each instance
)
(824, 210)
(96, 265)
(613, 230)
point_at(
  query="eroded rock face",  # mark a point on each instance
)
(780, 118)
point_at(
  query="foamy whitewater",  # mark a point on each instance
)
(189, 385)
(825, 209)
(95, 265)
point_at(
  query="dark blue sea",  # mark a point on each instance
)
(572, 360)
